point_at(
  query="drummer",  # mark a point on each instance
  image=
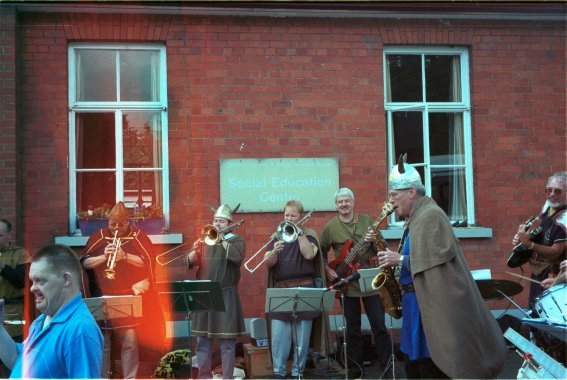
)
(560, 279)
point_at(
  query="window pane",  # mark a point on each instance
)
(408, 135)
(446, 144)
(96, 75)
(142, 188)
(142, 139)
(449, 191)
(95, 189)
(404, 78)
(442, 78)
(95, 141)
(139, 75)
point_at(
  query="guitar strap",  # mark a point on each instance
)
(544, 226)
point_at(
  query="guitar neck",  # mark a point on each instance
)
(361, 243)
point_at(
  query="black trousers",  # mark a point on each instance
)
(375, 313)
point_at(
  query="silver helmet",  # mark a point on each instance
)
(403, 176)
(224, 211)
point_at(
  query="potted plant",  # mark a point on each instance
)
(93, 219)
(148, 218)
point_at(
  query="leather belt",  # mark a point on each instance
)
(407, 288)
(306, 282)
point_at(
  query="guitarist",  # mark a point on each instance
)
(342, 232)
(547, 247)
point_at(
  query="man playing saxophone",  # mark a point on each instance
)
(119, 260)
(219, 262)
(447, 330)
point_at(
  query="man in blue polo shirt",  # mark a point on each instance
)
(64, 341)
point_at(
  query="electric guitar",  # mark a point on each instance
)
(344, 265)
(521, 254)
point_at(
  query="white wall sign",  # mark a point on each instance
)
(266, 184)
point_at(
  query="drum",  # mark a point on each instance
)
(552, 304)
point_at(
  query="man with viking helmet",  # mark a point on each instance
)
(134, 274)
(220, 263)
(447, 330)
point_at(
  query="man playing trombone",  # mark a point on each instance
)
(219, 261)
(120, 261)
(294, 261)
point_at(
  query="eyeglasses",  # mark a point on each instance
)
(550, 190)
(396, 194)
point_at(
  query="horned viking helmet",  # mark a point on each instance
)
(224, 211)
(403, 176)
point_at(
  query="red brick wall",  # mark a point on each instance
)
(263, 87)
(8, 155)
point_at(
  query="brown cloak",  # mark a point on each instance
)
(463, 337)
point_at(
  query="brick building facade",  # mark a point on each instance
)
(287, 82)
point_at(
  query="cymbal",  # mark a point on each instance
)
(489, 289)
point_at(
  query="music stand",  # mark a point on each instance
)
(295, 300)
(15, 320)
(195, 295)
(106, 308)
(366, 278)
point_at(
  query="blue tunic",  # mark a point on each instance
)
(413, 341)
(70, 347)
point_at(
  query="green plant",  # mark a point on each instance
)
(143, 212)
(91, 212)
(136, 213)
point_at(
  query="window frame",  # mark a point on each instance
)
(117, 107)
(426, 108)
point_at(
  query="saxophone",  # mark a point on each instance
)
(385, 281)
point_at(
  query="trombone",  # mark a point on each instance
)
(209, 236)
(287, 231)
(110, 272)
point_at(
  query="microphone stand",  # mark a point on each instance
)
(345, 357)
(392, 360)
(294, 332)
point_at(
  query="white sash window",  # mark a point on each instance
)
(427, 104)
(117, 127)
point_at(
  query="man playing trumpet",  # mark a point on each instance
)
(221, 263)
(120, 261)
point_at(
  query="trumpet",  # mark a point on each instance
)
(110, 272)
(287, 231)
(209, 236)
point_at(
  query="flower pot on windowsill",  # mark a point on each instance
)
(150, 226)
(88, 226)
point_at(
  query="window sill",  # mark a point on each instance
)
(81, 241)
(460, 232)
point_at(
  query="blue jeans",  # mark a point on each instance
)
(283, 333)
(375, 313)
(204, 356)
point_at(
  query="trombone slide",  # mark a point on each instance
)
(287, 231)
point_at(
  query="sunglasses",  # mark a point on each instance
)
(557, 192)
